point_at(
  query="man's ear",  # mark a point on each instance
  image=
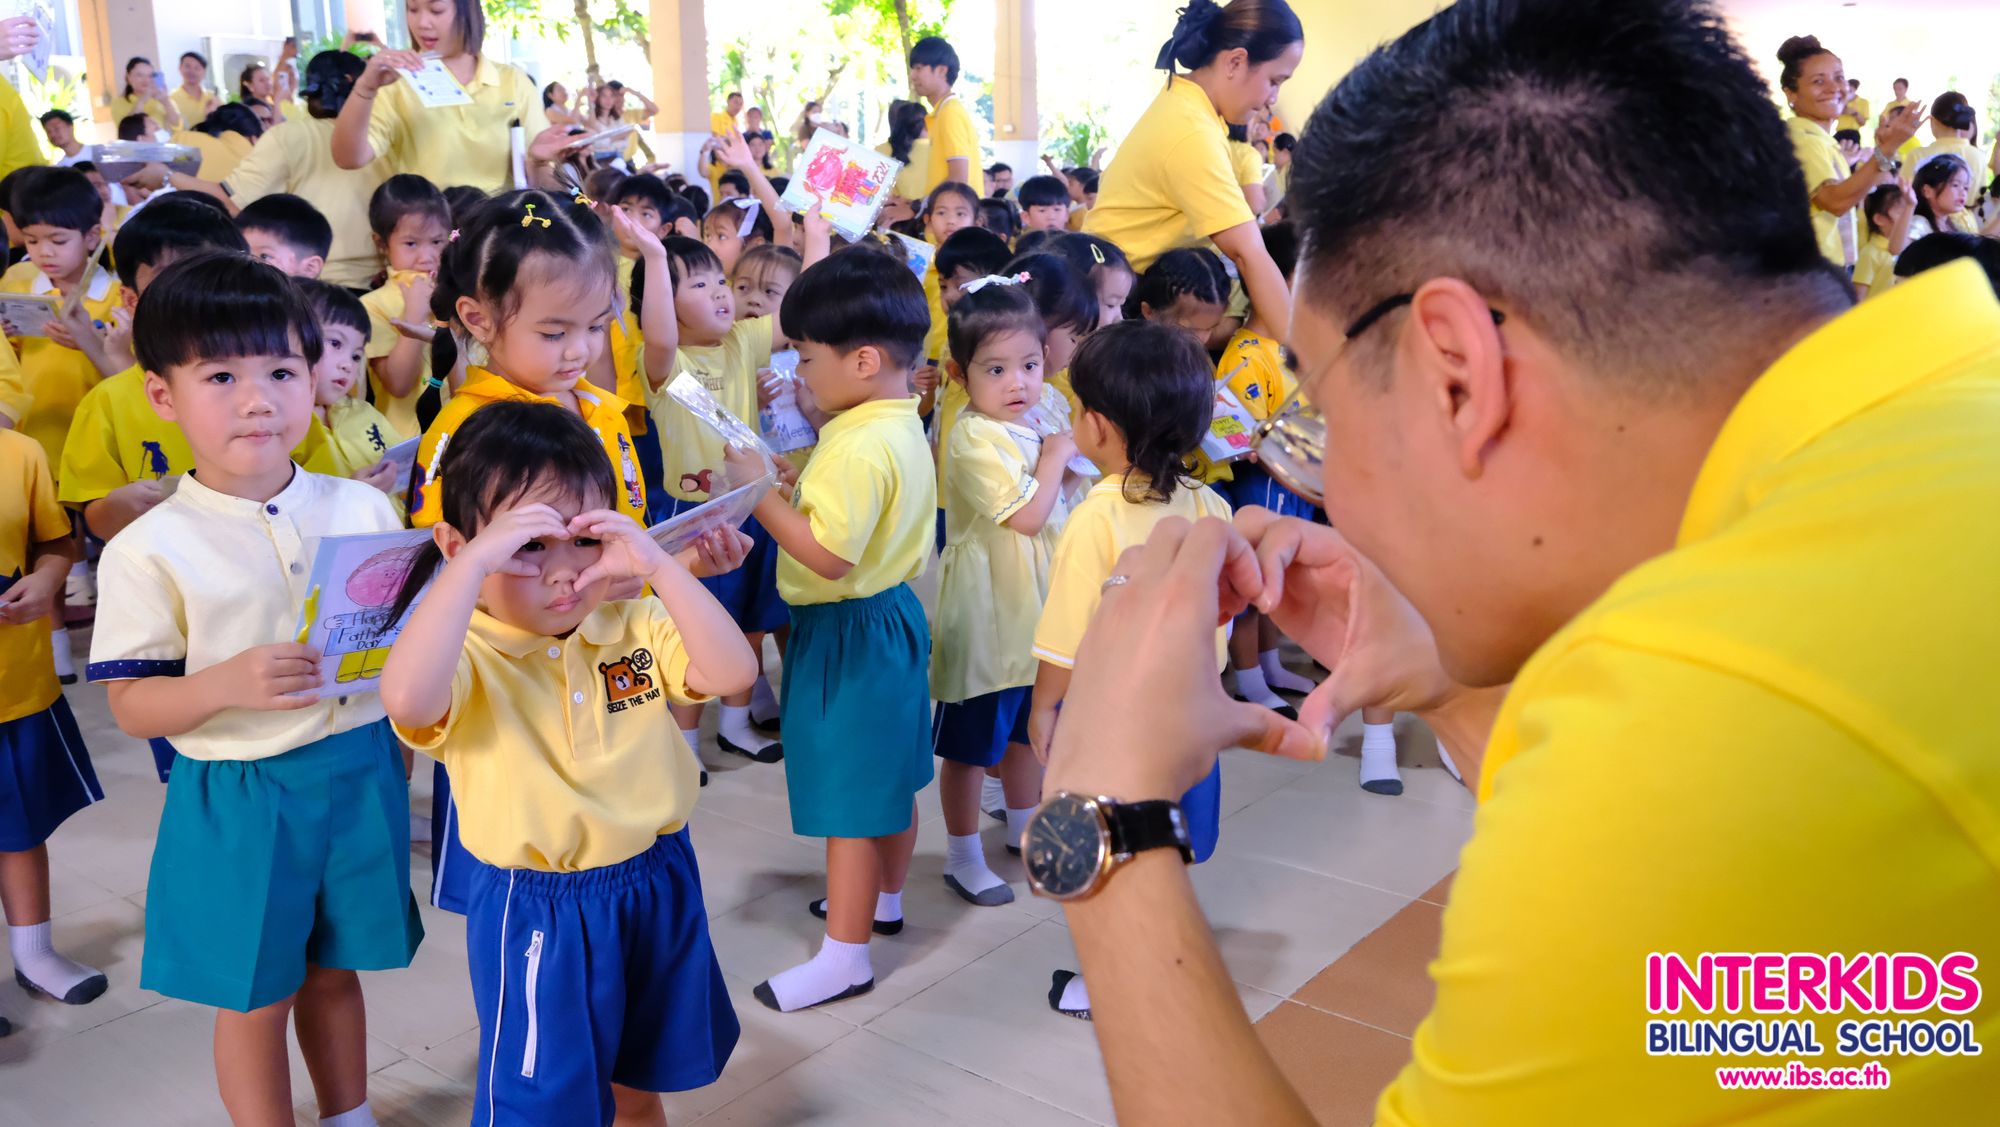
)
(1453, 343)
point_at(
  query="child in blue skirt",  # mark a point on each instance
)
(855, 700)
(1004, 484)
(1147, 393)
(282, 865)
(45, 772)
(592, 971)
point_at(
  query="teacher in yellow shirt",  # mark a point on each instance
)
(1698, 565)
(954, 138)
(447, 145)
(1815, 88)
(1173, 182)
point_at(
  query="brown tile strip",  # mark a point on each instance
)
(1338, 1066)
(1381, 980)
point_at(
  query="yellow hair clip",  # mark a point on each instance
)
(586, 201)
(532, 218)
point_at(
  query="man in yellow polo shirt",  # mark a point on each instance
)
(1729, 537)
(954, 138)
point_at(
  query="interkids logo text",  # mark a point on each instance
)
(1887, 989)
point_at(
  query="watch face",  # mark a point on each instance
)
(1066, 847)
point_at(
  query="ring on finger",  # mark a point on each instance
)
(1115, 581)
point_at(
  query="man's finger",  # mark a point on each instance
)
(1258, 728)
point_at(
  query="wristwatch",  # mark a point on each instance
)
(1073, 842)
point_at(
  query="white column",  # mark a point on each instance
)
(680, 81)
(1016, 120)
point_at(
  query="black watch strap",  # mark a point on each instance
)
(1156, 824)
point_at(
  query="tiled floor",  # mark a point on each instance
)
(956, 1031)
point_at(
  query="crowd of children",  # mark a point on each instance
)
(200, 406)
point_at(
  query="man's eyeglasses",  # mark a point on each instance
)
(1291, 445)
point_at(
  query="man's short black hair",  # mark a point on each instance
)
(1436, 156)
(216, 306)
(971, 248)
(644, 187)
(59, 197)
(997, 167)
(1284, 142)
(174, 227)
(1853, 135)
(57, 115)
(851, 299)
(933, 51)
(292, 220)
(1042, 191)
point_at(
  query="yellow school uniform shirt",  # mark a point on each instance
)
(296, 156)
(359, 435)
(465, 144)
(602, 411)
(1249, 167)
(562, 753)
(116, 438)
(691, 450)
(912, 182)
(125, 105)
(29, 515)
(1875, 267)
(953, 136)
(1819, 156)
(220, 156)
(627, 347)
(991, 579)
(193, 107)
(14, 398)
(1172, 183)
(1973, 156)
(1725, 739)
(720, 123)
(1253, 368)
(385, 304)
(19, 146)
(952, 399)
(870, 497)
(1855, 114)
(204, 576)
(1100, 528)
(56, 378)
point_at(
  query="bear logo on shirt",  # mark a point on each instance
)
(626, 682)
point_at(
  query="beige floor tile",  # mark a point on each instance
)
(1395, 844)
(1278, 925)
(430, 1001)
(740, 864)
(406, 1094)
(771, 1043)
(106, 936)
(863, 1080)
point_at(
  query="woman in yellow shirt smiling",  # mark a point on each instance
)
(144, 94)
(1814, 86)
(1172, 183)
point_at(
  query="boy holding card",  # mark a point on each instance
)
(282, 865)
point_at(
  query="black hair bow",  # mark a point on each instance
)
(1190, 33)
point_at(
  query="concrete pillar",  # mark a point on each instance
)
(114, 31)
(680, 81)
(1016, 118)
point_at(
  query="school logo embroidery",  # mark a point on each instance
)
(153, 458)
(375, 437)
(626, 682)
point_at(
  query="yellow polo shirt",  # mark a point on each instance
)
(991, 579)
(465, 144)
(1776, 737)
(14, 398)
(384, 304)
(1875, 267)
(1100, 528)
(1249, 167)
(952, 135)
(1973, 156)
(720, 123)
(116, 438)
(194, 108)
(1172, 183)
(562, 753)
(219, 155)
(125, 105)
(871, 498)
(296, 156)
(204, 576)
(1819, 156)
(56, 378)
(20, 145)
(913, 181)
(359, 434)
(690, 449)
(1855, 115)
(602, 411)
(29, 515)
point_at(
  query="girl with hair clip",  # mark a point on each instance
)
(546, 695)
(1954, 132)
(1172, 183)
(1005, 482)
(1104, 267)
(1943, 188)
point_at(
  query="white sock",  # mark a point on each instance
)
(1378, 759)
(693, 738)
(1445, 758)
(1074, 995)
(59, 642)
(80, 567)
(1280, 678)
(36, 958)
(1017, 823)
(352, 1117)
(1251, 687)
(888, 906)
(763, 702)
(838, 966)
(992, 795)
(735, 727)
(965, 862)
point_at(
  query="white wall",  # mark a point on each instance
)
(185, 25)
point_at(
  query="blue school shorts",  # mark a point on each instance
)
(45, 776)
(750, 593)
(856, 708)
(1251, 484)
(977, 730)
(451, 865)
(588, 979)
(1201, 808)
(265, 865)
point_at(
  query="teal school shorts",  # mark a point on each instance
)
(263, 866)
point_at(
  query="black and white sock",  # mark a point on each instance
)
(965, 870)
(38, 965)
(839, 970)
(65, 663)
(1278, 677)
(735, 733)
(993, 798)
(1378, 760)
(763, 702)
(352, 1117)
